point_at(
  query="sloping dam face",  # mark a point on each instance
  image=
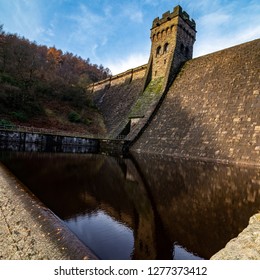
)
(212, 109)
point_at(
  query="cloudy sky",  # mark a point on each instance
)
(116, 33)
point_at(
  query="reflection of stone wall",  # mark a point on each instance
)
(196, 205)
(211, 110)
(75, 185)
(202, 206)
(60, 173)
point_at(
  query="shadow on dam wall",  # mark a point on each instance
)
(175, 131)
(165, 203)
(211, 111)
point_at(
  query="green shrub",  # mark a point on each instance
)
(8, 79)
(20, 116)
(87, 121)
(6, 123)
(44, 90)
(75, 96)
(90, 103)
(33, 108)
(74, 117)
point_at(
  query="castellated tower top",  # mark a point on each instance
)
(177, 11)
(172, 38)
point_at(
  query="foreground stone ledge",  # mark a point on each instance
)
(29, 230)
(246, 246)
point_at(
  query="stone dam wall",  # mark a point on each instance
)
(115, 97)
(212, 109)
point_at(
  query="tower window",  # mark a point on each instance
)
(158, 51)
(166, 48)
(163, 33)
(187, 52)
(182, 48)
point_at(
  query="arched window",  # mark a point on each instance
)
(187, 52)
(158, 51)
(182, 48)
(163, 33)
(166, 48)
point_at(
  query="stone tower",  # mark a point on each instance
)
(172, 39)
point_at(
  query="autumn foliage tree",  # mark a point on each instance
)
(31, 73)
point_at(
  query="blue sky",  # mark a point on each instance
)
(116, 33)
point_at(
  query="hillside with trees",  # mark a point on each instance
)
(43, 87)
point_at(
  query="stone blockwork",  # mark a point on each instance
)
(212, 110)
(208, 107)
(15, 140)
(122, 78)
(172, 39)
(116, 96)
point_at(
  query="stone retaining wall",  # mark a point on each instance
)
(38, 142)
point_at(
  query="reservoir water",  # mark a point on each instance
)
(142, 207)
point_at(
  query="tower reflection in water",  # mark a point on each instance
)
(146, 207)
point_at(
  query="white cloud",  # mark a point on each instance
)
(110, 32)
(123, 64)
(249, 34)
(132, 11)
(226, 27)
(85, 19)
(136, 16)
(214, 20)
(91, 29)
(26, 19)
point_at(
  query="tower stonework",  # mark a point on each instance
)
(172, 39)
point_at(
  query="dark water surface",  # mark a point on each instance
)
(145, 207)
